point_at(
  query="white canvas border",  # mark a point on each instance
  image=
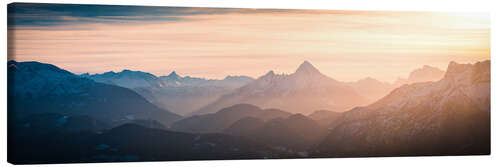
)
(393, 5)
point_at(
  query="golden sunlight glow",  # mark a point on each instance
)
(344, 45)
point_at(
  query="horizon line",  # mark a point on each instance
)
(274, 71)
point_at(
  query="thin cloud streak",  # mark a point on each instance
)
(346, 45)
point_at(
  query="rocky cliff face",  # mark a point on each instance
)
(450, 116)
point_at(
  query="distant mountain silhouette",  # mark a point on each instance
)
(304, 91)
(217, 122)
(324, 117)
(374, 89)
(43, 88)
(447, 117)
(244, 127)
(424, 74)
(173, 92)
(293, 133)
(173, 76)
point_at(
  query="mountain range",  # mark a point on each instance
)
(172, 92)
(55, 116)
(193, 96)
(308, 90)
(217, 122)
(303, 91)
(324, 117)
(423, 74)
(374, 89)
(291, 133)
(40, 88)
(447, 117)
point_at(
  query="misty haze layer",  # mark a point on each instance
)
(110, 123)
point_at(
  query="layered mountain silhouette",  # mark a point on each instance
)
(447, 117)
(325, 117)
(193, 96)
(219, 121)
(173, 92)
(304, 91)
(36, 88)
(374, 89)
(293, 133)
(55, 116)
(423, 74)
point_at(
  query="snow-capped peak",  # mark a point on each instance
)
(39, 79)
(125, 78)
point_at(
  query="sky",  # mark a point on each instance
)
(216, 42)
